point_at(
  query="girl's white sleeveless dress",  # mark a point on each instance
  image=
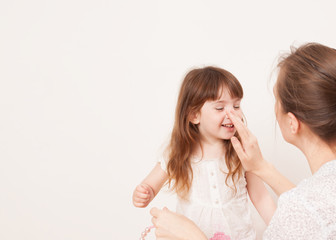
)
(214, 206)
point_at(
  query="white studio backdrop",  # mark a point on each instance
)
(88, 91)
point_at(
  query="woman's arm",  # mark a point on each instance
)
(260, 197)
(145, 192)
(250, 155)
(278, 182)
(173, 226)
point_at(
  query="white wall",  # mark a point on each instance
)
(88, 91)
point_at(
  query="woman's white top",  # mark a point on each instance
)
(214, 206)
(307, 211)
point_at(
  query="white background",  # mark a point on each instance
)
(87, 96)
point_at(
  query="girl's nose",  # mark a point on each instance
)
(227, 110)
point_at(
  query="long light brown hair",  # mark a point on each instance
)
(306, 87)
(199, 85)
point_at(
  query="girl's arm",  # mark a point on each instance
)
(260, 197)
(250, 156)
(145, 192)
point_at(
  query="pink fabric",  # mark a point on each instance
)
(220, 236)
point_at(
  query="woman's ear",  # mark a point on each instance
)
(293, 122)
(194, 118)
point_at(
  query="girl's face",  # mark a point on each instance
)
(213, 122)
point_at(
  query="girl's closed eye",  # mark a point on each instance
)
(219, 108)
(236, 107)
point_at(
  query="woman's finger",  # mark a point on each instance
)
(239, 125)
(155, 212)
(154, 221)
(238, 148)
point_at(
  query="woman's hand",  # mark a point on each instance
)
(248, 149)
(252, 160)
(173, 226)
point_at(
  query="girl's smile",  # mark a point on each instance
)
(229, 126)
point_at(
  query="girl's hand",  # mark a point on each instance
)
(173, 226)
(142, 195)
(248, 149)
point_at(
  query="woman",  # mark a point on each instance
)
(305, 109)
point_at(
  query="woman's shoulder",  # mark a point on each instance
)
(319, 189)
(299, 217)
(321, 184)
(311, 205)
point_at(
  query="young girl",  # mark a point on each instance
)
(201, 164)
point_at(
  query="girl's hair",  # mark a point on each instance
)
(198, 86)
(306, 87)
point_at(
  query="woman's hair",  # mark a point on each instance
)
(306, 87)
(198, 86)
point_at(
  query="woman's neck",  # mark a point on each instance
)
(317, 152)
(210, 150)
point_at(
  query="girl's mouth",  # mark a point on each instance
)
(228, 125)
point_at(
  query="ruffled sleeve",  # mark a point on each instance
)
(163, 163)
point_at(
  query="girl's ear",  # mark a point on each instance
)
(294, 123)
(194, 118)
